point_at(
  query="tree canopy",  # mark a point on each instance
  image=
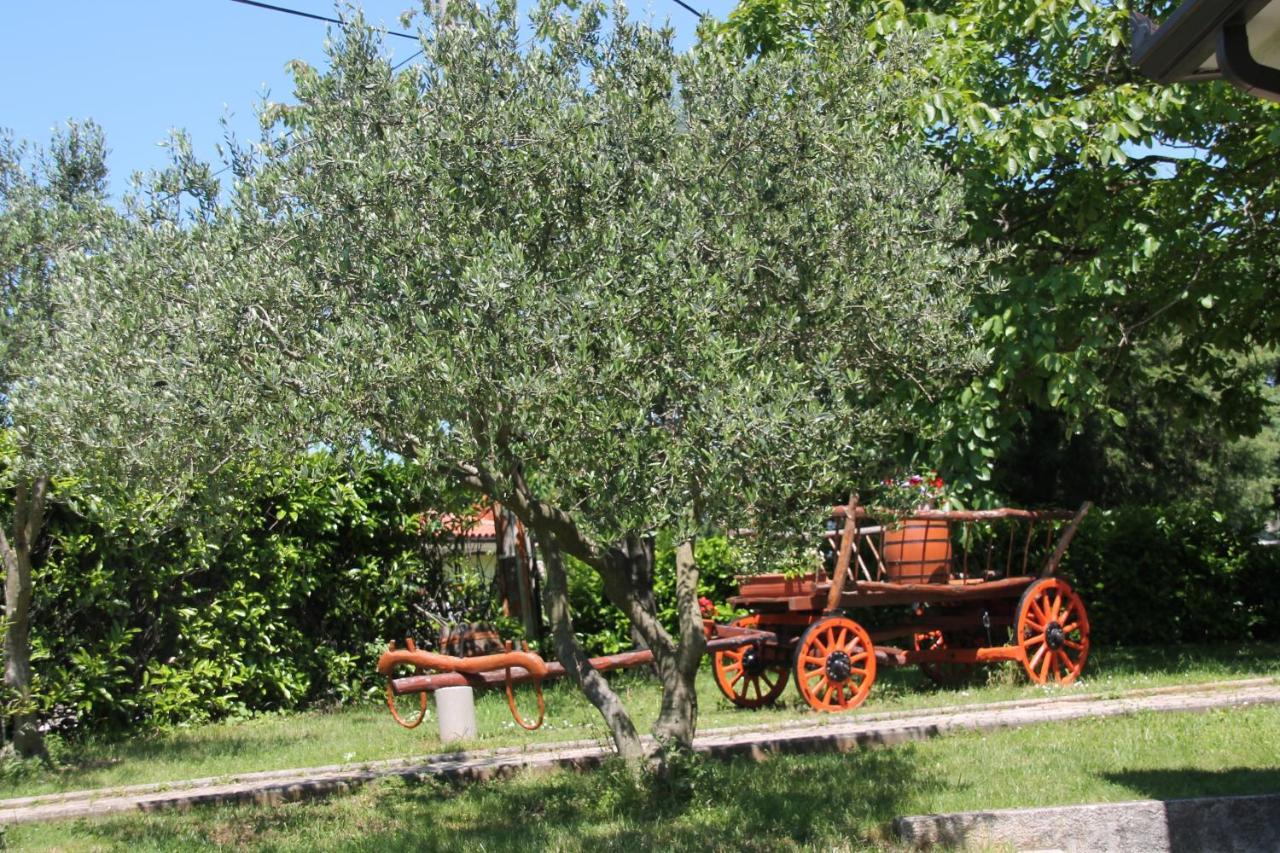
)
(1141, 219)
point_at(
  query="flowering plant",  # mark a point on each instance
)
(905, 493)
(708, 607)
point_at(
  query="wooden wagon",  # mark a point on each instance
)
(970, 594)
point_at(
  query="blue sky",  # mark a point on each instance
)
(142, 67)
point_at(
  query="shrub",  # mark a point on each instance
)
(279, 603)
(1180, 573)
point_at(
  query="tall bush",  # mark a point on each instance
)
(281, 602)
(1180, 573)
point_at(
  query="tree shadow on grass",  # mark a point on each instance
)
(1172, 784)
(779, 803)
(783, 802)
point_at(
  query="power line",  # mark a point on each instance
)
(313, 17)
(679, 3)
(407, 60)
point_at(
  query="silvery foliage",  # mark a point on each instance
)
(52, 204)
(671, 291)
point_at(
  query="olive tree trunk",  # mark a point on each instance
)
(28, 520)
(627, 573)
(569, 652)
(676, 661)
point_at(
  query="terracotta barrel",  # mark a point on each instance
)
(917, 550)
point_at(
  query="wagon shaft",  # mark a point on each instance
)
(727, 637)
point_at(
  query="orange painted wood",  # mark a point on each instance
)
(1051, 607)
(827, 639)
(744, 675)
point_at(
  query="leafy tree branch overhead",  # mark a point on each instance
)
(615, 288)
(1141, 217)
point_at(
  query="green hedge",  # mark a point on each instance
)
(1175, 574)
(283, 603)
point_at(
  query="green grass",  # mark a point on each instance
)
(354, 735)
(826, 802)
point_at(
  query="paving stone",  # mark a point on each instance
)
(1200, 825)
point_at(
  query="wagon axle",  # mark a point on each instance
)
(1054, 635)
(838, 666)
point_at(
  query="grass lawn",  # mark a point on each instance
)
(367, 733)
(826, 802)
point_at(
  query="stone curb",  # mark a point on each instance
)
(1238, 824)
(807, 725)
(832, 734)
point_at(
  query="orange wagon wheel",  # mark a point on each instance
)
(835, 664)
(1053, 631)
(743, 675)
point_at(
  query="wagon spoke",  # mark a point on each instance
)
(1035, 661)
(1034, 607)
(1066, 612)
(1067, 664)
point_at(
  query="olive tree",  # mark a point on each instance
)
(618, 289)
(51, 202)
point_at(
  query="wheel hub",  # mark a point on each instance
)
(752, 661)
(838, 666)
(1054, 635)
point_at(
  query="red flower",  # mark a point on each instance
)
(707, 607)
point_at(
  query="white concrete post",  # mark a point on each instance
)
(456, 707)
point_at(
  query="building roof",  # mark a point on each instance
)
(1236, 40)
(475, 527)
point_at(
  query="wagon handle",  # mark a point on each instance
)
(846, 553)
(1051, 565)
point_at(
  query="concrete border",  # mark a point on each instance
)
(1239, 824)
(824, 734)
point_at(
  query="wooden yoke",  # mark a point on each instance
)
(1051, 565)
(846, 553)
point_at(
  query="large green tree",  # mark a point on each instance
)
(617, 289)
(1141, 221)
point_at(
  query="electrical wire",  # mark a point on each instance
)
(314, 17)
(687, 7)
(410, 58)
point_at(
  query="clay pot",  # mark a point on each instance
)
(917, 550)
